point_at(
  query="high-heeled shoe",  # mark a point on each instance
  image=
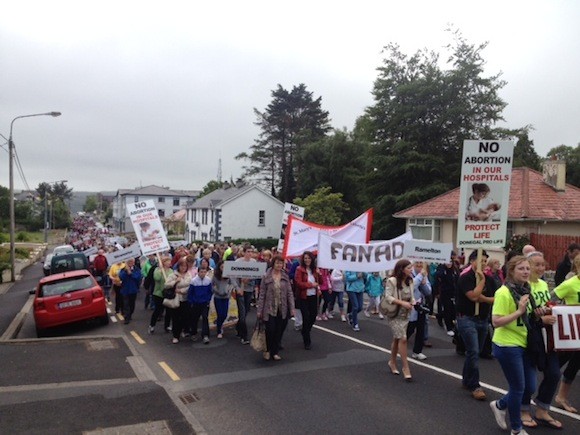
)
(407, 374)
(393, 368)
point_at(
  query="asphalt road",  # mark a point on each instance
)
(342, 385)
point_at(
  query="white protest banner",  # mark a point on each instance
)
(147, 227)
(132, 251)
(333, 253)
(90, 251)
(567, 327)
(244, 269)
(424, 250)
(303, 236)
(486, 173)
(289, 210)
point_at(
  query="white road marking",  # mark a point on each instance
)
(434, 368)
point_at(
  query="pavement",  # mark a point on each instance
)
(77, 385)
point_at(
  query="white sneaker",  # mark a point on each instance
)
(499, 415)
(329, 315)
(420, 356)
(151, 329)
(381, 316)
(451, 333)
(521, 432)
(343, 317)
(367, 314)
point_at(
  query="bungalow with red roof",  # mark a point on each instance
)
(539, 204)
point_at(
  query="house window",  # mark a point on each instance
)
(426, 229)
(176, 202)
(136, 198)
(161, 199)
(204, 216)
(509, 231)
(212, 215)
(161, 212)
(261, 218)
(193, 219)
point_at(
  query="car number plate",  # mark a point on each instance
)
(69, 304)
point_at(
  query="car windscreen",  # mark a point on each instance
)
(66, 286)
(62, 264)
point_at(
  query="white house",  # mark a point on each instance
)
(166, 201)
(234, 212)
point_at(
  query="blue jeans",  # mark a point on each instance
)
(473, 331)
(338, 298)
(221, 309)
(356, 300)
(520, 374)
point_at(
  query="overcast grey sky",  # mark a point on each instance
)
(157, 92)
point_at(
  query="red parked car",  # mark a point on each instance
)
(66, 298)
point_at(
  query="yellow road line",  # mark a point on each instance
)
(137, 338)
(120, 316)
(169, 372)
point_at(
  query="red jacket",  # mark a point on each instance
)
(301, 281)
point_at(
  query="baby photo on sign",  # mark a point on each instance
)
(147, 232)
(481, 206)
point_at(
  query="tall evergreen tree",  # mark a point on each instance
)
(291, 120)
(417, 125)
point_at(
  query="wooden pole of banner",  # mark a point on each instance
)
(477, 278)
(160, 265)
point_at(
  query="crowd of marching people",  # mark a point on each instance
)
(489, 310)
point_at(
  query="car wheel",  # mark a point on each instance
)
(104, 320)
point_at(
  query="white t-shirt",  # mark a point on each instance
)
(312, 290)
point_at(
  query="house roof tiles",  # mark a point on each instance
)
(530, 199)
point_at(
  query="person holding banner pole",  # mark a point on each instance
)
(160, 274)
(308, 280)
(181, 315)
(244, 293)
(116, 285)
(474, 298)
(568, 292)
(551, 372)
(130, 278)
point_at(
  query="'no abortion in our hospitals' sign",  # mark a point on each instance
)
(486, 172)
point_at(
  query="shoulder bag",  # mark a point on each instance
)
(391, 310)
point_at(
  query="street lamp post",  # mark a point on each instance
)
(11, 176)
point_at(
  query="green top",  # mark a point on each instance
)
(514, 333)
(540, 292)
(146, 267)
(569, 291)
(160, 281)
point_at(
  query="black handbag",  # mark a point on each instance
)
(169, 293)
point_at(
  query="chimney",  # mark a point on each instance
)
(554, 174)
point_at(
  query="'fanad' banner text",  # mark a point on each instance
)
(567, 327)
(486, 172)
(334, 253)
(303, 236)
(148, 228)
